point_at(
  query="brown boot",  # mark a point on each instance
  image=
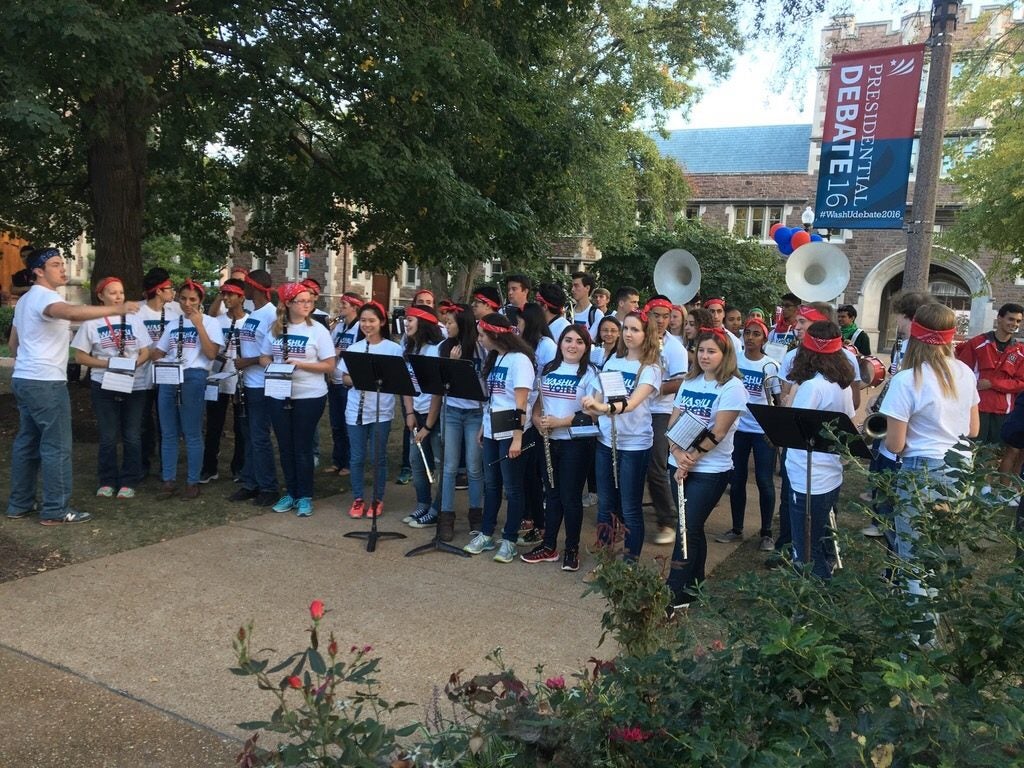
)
(446, 526)
(476, 519)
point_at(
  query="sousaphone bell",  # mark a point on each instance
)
(677, 275)
(817, 272)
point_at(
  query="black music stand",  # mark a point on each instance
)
(803, 429)
(445, 376)
(377, 373)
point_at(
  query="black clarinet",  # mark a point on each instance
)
(284, 359)
(119, 340)
(239, 398)
(181, 352)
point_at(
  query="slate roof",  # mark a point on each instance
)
(756, 149)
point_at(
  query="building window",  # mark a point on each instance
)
(692, 213)
(755, 220)
(411, 274)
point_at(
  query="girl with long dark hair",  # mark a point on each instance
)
(296, 339)
(823, 376)
(368, 418)
(510, 374)
(713, 394)
(564, 383)
(608, 332)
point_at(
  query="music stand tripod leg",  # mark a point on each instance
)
(373, 535)
(435, 544)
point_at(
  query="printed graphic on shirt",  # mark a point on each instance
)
(295, 344)
(560, 386)
(753, 382)
(496, 380)
(697, 404)
(344, 339)
(248, 330)
(184, 338)
(109, 337)
(155, 329)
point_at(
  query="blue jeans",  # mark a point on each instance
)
(823, 549)
(185, 419)
(376, 436)
(571, 462)
(882, 498)
(745, 443)
(259, 472)
(461, 426)
(118, 420)
(337, 399)
(508, 473)
(431, 448)
(294, 428)
(924, 478)
(43, 441)
(625, 502)
(702, 491)
(216, 416)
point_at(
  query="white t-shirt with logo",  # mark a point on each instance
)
(583, 318)
(563, 390)
(309, 342)
(818, 394)
(254, 328)
(753, 373)
(934, 422)
(368, 398)
(556, 327)
(154, 322)
(343, 337)
(674, 363)
(182, 335)
(703, 399)
(102, 338)
(42, 341)
(633, 429)
(511, 371)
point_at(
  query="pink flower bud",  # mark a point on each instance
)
(555, 683)
(316, 610)
(294, 682)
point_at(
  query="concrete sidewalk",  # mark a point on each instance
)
(123, 660)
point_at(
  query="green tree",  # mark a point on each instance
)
(745, 272)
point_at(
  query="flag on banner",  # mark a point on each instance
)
(867, 138)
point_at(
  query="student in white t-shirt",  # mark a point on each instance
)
(626, 427)
(295, 339)
(824, 379)
(509, 374)
(118, 413)
(932, 403)
(586, 313)
(563, 384)
(367, 418)
(607, 341)
(760, 374)
(344, 334)
(191, 342)
(712, 397)
(422, 418)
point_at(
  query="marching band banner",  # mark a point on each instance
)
(867, 138)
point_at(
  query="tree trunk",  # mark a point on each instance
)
(117, 126)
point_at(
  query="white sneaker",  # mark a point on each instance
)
(666, 535)
(480, 543)
(872, 531)
(589, 499)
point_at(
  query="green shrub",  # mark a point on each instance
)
(6, 323)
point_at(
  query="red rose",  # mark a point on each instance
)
(316, 610)
(294, 681)
(555, 683)
(332, 648)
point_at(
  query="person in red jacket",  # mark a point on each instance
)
(998, 362)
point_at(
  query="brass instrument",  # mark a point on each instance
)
(772, 385)
(817, 272)
(876, 425)
(677, 275)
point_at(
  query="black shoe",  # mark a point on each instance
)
(244, 494)
(265, 499)
(461, 481)
(205, 477)
(571, 560)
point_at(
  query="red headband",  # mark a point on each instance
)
(496, 328)
(930, 336)
(664, 303)
(553, 307)
(421, 291)
(353, 300)
(714, 303)
(231, 288)
(312, 286)
(759, 323)
(420, 314)
(264, 289)
(107, 281)
(825, 346)
(719, 332)
(243, 270)
(157, 288)
(378, 305)
(812, 314)
(288, 291)
(195, 287)
(480, 297)
(639, 314)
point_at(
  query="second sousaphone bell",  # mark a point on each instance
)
(817, 272)
(677, 275)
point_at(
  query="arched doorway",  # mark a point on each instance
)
(956, 281)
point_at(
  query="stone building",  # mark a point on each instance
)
(743, 179)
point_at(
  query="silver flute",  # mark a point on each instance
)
(681, 501)
(615, 450)
(426, 464)
(545, 437)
